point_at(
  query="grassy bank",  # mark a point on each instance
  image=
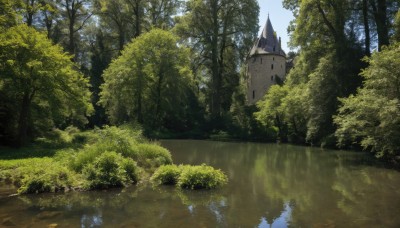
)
(73, 160)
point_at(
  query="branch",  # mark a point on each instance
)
(83, 23)
(327, 22)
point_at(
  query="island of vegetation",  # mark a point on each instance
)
(99, 159)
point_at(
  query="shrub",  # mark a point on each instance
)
(121, 141)
(110, 170)
(86, 156)
(166, 174)
(151, 155)
(44, 177)
(201, 177)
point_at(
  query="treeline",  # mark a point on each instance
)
(339, 94)
(176, 68)
(172, 66)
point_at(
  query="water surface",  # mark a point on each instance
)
(269, 185)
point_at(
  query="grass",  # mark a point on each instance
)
(98, 159)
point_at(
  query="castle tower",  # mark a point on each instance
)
(266, 64)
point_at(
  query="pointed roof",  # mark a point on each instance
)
(268, 42)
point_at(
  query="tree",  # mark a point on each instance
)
(371, 117)
(271, 113)
(115, 15)
(149, 82)
(39, 84)
(76, 14)
(397, 27)
(327, 66)
(161, 12)
(8, 16)
(219, 31)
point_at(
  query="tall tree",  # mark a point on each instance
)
(41, 80)
(76, 14)
(379, 9)
(161, 12)
(216, 29)
(371, 118)
(116, 16)
(149, 82)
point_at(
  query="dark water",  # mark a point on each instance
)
(269, 185)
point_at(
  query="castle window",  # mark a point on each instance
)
(274, 48)
(261, 61)
(273, 58)
(254, 94)
(272, 66)
(272, 78)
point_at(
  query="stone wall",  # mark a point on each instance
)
(261, 74)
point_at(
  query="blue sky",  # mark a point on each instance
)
(279, 17)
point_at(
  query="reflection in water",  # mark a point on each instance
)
(281, 221)
(269, 186)
(95, 220)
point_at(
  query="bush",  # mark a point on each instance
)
(110, 170)
(151, 155)
(86, 156)
(189, 177)
(201, 177)
(167, 175)
(44, 177)
(121, 141)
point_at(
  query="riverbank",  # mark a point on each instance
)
(71, 160)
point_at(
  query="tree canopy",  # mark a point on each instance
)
(39, 86)
(150, 81)
(371, 117)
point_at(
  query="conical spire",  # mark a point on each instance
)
(268, 31)
(268, 41)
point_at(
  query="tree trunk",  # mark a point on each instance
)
(23, 122)
(366, 28)
(380, 15)
(121, 39)
(137, 18)
(71, 45)
(216, 77)
(158, 98)
(30, 12)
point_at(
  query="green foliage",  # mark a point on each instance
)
(110, 170)
(396, 36)
(167, 175)
(190, 177)
(271, 113)
(120, 140)
(8, 16)
(218, 48)
(149, 82)
(44, 176)
(371, 117)
(242, 123)
(201, 177)
(40, 85)
(151, 155)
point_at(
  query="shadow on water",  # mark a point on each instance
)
(269, 186)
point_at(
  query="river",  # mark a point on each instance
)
(270, 185)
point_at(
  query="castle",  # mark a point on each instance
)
(266, 64)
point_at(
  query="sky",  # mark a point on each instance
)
(279, 17)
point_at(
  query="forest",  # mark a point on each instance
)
(176, 69)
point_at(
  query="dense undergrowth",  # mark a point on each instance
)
(98, 159)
